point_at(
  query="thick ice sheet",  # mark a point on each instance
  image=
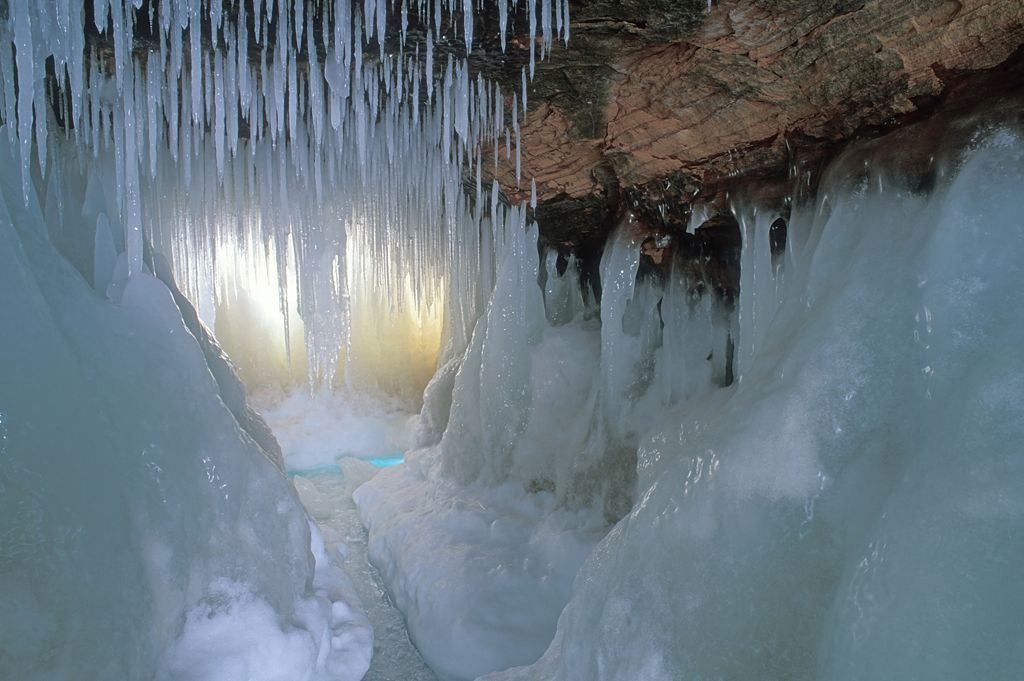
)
(141, 534)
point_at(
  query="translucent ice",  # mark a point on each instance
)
(133, 508)
(852, 508)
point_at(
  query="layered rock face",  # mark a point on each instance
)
(653, 106)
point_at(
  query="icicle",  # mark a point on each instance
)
(532, 9)
(382, 9)
(503, 21)
(398, 162)
(120, 41)
(100, 10)
(216, 14)
(461, 101)
(545, 22)
(565, 20)
(369, 17)
(405, 22)
(242, 56)
(41, 115)
(467, 24)
(208, 102)
(523, 74)
(220, 113)
(196, 62)
(26, 93)
(257, 20)
(94, 100)
(429, 67)
(558, 17)
(153, 90)
(76, 65)
(315, 85)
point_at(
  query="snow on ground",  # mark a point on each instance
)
(328, 498)
(481, 573)
(316, 430)
(332, 443)
(236, 636)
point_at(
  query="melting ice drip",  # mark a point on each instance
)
(274, 150)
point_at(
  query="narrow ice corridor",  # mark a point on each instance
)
(328, 498)
(332, 443)
(410, 340)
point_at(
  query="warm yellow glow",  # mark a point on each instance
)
(251, 314)
(395, 332)
(395, 317)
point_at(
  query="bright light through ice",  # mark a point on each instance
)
(257, 322)
(396, 323)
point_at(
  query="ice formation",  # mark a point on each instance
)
(305, 190)
(279, 160)
(822, 515)
(588, 498)
(133, 509)
(480, 535)
(851, 508)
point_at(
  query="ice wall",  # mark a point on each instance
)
(480, 535)
(852, 507)
(142, 534)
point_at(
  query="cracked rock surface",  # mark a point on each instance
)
(685, 98)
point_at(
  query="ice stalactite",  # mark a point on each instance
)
(852, 507)
(544, 413)
(313, 110)
(308, 201)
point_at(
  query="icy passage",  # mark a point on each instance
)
(328, 498)
(332, 443)
(797, 461)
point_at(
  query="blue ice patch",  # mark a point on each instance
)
(325, 469)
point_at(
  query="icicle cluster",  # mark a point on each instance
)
(275, 130)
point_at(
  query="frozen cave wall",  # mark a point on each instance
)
(143, 533)
(850, 502)
(773, 441)
(707, 123)
(851, 507)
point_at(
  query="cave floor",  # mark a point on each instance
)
(329, 500)
(315, 434)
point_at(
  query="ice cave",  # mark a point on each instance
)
(514, 340)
